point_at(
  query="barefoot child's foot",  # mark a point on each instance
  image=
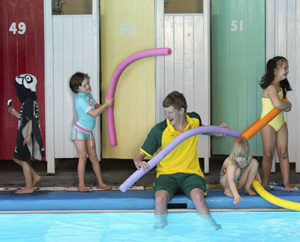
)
(265, 186)
(104, 186)
(228, 193)
(287, 188)
(84, 189)
(36, 180)
(24, 190)
(250, 192)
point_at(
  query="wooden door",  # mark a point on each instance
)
(21, 51)
(128, 26)
(188, 68)
(238, 63)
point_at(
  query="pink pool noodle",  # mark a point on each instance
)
(114, 81)
(165, 151)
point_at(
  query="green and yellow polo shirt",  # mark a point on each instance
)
(183, 158)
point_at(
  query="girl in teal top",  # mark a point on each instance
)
(87, 110)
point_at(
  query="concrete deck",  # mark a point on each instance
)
(114, 173)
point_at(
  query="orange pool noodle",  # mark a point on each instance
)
(259, 124)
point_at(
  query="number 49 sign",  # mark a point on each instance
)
(19, 28)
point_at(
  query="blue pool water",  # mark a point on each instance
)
(183, 226)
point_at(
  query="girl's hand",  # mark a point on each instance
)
(257, 177)
(223, 125)
(27, 140)
(109, 102)
(287, 107)
(237, 199)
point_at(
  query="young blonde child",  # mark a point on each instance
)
(275, 133)
(238, 171)
(87, 110)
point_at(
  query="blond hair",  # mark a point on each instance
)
(240, 147)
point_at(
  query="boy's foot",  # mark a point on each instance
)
(104, 186)
(24, 190)
(84, 189)
(211, 221)
(161, 221)
(36, 180)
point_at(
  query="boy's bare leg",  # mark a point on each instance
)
(161, 201)
(36, 178)
(95, 164)
(197, 196)
(28, 178)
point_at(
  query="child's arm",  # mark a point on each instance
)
(13, 111)
(27, 139)
(276, 101)
(100, 108)
(230, 179)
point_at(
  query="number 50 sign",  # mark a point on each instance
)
(19, 28)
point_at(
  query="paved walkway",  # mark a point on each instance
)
(114, 173)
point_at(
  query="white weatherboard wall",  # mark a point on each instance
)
(188, 68)
(71, 45)
(283, 39)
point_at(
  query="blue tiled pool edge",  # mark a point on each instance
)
(131, 200)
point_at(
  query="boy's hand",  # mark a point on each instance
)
(141, 164)
(13, 111)
(27, 140)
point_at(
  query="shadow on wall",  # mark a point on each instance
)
(65, 7)
(186, 6)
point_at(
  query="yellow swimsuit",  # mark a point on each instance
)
(267, 106)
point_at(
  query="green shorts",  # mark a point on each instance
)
(179, 181)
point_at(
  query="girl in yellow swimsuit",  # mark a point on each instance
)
(238, 171)
(275, 133)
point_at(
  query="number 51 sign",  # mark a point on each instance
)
(19, 28)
